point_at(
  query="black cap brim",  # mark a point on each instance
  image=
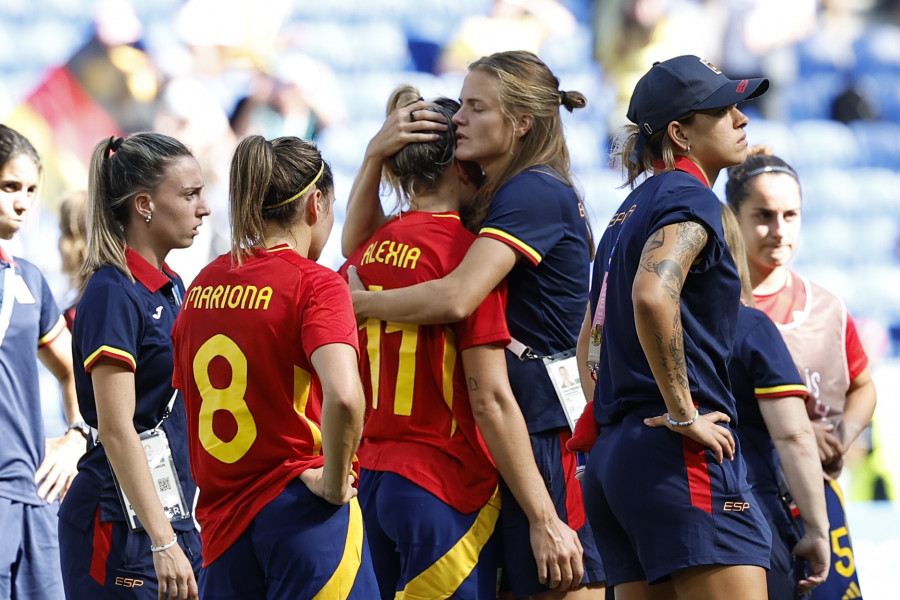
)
(736, 90)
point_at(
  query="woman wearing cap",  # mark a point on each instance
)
(764, 192)
(665, 486)
(535, 236)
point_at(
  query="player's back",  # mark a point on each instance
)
(253, 400)
(419, 423)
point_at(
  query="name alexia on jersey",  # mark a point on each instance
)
(391, 253)
(227, 296)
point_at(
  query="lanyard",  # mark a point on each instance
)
(9, 299)
(593, 359)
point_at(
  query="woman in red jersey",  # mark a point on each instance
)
(266, 355)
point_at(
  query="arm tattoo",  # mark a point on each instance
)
(691, 238)
(672, 277)
(473, 384)
(674, 350)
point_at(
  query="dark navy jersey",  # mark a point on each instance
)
(761, 370)
(130, 322)
(543, 219)
(709, 299)
(34, 321)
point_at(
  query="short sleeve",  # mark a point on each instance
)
(52, 322)
(774, 372)
(525, 214)
(327, 316)
(693, 202)
(487, 325)
(108, 325)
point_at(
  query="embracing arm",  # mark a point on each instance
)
(114, 392)
(364, 211)
(446, 300)
(343, 406)
(60, 464)
(656, 294)
(795, 441)
(556, 547)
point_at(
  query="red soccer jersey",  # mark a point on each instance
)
(242, 346)
(419, 423)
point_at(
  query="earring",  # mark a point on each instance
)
(149, 216)
(688, 149)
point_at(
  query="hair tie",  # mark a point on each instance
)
(115, 143)
(301, 192)
(562, 98)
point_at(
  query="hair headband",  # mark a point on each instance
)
(767, 169)
(301, 192)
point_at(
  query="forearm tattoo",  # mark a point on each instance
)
(672, 359)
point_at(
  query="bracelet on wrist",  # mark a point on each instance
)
(164, 546)
(675, 423)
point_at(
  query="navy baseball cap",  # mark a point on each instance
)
(675, 87)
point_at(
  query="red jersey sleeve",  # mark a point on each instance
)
(857, 360)
(328, 316)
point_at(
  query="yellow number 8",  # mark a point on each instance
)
(230, 398)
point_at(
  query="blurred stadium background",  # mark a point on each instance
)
(209, 71)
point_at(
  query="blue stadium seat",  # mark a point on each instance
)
(877, 49)
(877, 192)
(774, 134)
(824, 143)
(810, 96)
(357, 47)
(878, 143)
(822, 54)
(829, 192)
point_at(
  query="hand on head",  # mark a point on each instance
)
(400, 128)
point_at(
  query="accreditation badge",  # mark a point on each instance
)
(165, 479)
(562, 368)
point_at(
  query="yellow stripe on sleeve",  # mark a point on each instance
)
(53, 333)
(440, 580)
(112, 353)
(339, 586)
(794, 389)
(522, 246)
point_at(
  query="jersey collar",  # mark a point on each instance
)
(6, 257)
(144, 272)
(683, 163)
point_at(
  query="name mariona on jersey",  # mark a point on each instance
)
(226, 296)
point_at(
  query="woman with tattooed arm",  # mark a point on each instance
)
(665, 487)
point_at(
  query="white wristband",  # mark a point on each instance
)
(675, 423)
(164, 546)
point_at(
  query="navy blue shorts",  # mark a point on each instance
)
(298, 547)
(659, 503)
(424, 548)
(29, 551)
(108, 560)
(842, 581)
(557, 467)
